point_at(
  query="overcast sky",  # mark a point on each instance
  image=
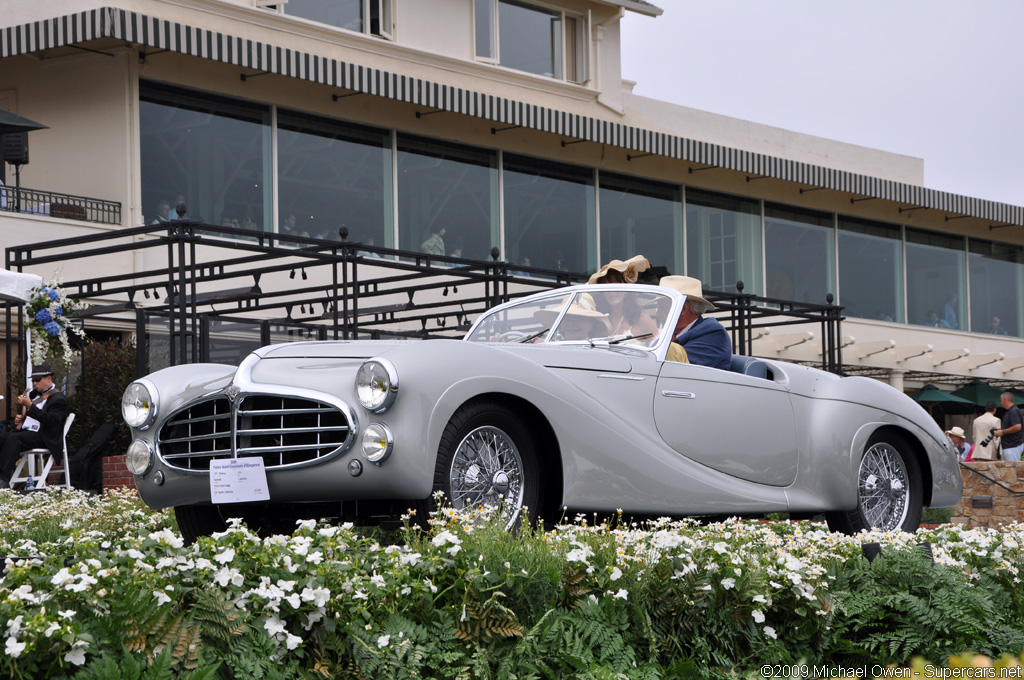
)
(941, 80)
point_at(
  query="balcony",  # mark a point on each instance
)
(66, 206)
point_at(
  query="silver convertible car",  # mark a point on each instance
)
(544, 405)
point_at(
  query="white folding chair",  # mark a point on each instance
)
(42, 460)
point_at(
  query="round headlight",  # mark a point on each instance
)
(138, 405)
(139, 457)
(377, 442)
(377, 385)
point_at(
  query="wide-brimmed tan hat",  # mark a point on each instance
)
(630, 269)
(691, 288)
(956, 431)
(582, 305)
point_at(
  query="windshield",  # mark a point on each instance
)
(635, 315)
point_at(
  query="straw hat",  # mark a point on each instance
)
(582, 305)
(691, 288)
(630, 269)
(956, 431)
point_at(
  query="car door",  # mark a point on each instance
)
(738, 424)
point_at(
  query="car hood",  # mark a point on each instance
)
(581, 357)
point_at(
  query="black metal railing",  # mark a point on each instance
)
(54, 204)
(216, 293)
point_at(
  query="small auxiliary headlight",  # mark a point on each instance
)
(140, 457)
(377, 385)
(377, 442)
(138, 405)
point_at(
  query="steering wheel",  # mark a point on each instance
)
(512, 336)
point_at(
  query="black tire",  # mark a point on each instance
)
(198, 520)
(890, 489)
(488, 456)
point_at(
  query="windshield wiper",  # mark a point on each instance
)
(629, 337)
(536, 335)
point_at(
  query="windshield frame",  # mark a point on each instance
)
(559, 298)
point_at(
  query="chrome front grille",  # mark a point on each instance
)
(280, 429)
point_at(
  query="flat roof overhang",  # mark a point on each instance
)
(161, 34)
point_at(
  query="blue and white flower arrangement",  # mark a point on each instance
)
(46, 316)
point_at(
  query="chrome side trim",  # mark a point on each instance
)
(616, 376)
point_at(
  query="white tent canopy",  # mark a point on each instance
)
(15, 287)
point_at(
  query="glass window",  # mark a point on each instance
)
(549, 214)
(799, 253)
(448, 191)
(935, 279)
(997, 277)
(341, 13)
(723, 241)
(483, 18)
(207, 151)
(871, 270)
(332, 174)
(530, 38)
(641, 217)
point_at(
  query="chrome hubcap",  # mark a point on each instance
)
(487, 470)
(883, 486)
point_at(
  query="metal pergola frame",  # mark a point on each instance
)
(211, 276)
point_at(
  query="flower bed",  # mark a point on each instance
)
(108, 587)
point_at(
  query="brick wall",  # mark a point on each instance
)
(115, 474)
(992, 495)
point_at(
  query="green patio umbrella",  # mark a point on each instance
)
(932, 394)
(978, 392)
(933, 399)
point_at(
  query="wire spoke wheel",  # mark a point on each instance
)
(890, 489)
(883, 485)
(487, 469)
(488, 457)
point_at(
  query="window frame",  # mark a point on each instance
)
(385, 13)
(575, 23)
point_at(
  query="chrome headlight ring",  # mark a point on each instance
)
(139, 458)
(376, 443)
(140, 404)
(377, 385)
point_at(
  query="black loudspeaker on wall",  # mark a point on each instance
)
(15, 148)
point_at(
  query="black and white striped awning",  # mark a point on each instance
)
(169, 35)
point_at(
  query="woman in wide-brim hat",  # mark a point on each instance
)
(582, 319)
(621, 271)
(625, 314)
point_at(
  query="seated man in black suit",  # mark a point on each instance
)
(42, 426)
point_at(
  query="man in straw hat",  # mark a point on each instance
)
(959, 439)
(582, 319)
(621, 271)
(42, 426)
(704, 340)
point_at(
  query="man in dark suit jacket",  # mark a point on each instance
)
(704, 339)
(42, 426)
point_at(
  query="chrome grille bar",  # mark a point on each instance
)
(281, 429)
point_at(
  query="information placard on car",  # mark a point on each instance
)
(238, 480)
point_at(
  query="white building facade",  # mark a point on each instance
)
(468, 125)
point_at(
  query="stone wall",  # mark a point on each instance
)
(992, 495)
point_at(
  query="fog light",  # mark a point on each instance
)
(355, 468)
(139, 457)
(377, 443)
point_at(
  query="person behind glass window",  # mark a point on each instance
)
(997, 327)
(434, 245)
(936, 322)
(949, 312)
